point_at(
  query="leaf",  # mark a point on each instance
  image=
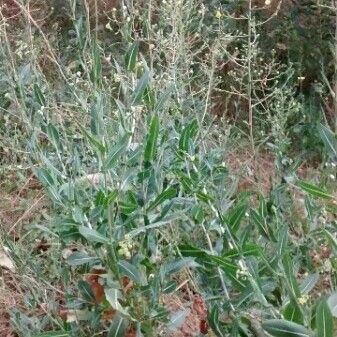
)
(131, 56)
(118, 327)
(96, 72)
(5, 261)
(282, 241)
(170, 287)
(225, 264)
(260, 223)
(79, 258)
(45, 177)
(53, 135)
(332, 303)
(289, 273)
(324, 320)
(24, 74)
(213, 319)
(283, 328)
(112, 296)
(163, 98)
(92, 235)
(175, 266)
(96, 143)
(53, 334)
(86, 291)
(163, 196)
(197, 214)
(187, 134)
(250, 249)
(117, 151)
(39, 95)
(332, 240)
(309, 207)
(235, 216)
(149, 97)
(132, 272)
(110, 198)
(140, 88)
(292, 312)
(263, 208)
(166, 220)
(329, 140)
(189, 250)
(313, 190)
(309, 283)
(152, 138)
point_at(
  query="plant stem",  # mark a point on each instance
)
(249, 68)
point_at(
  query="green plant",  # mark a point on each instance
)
(116, 125)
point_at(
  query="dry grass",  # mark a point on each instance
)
(20, 203)
(11, 296)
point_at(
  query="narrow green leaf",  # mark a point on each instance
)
(163, 222)
(92, 235)
(86, 291)
(260, 224)
(313, 190)
(249, 249)
(309, 283)
(331, 238)
(116, 151)
(170, 287)
(54, 136)
(168, 194)
(79, 258)
(118, 327)
(225, 264)
(149, 97)
(96, 143)
(96, 72)
(189, 250)
(329, 140)
(39, 95)
(283, 328)
(235, 216)
(175, 266)
(163, 98)
(213, 319)
(197, 214)
(140, 88)
(132, 272)
(309, 207)
(187, 134)
(332, 303)
(263, 208)
(131, 56)
(289, 273)
(152, 138)
(324, 320)
(110, 198)
(293, 312)
(112, 295)
(282, 241)
(45, 177)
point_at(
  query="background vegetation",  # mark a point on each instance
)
(168, 168)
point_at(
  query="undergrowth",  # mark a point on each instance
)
(125, 116)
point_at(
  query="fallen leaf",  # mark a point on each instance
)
(5, 261)
(96, 287)
(109, 315)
